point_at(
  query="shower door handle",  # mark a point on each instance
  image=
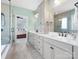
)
(12, 30)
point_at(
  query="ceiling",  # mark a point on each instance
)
(65, 5)
(28, 4)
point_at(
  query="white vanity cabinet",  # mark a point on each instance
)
(54, 52)
(75, 52)
(61, 54)
(49, 48)
(38, 43)
(48, 52)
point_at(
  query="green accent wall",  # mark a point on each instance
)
(24, 12)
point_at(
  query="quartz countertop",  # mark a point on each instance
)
(66, 40)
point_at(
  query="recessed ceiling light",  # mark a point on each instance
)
(58, 2)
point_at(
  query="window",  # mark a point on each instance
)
(64, 23)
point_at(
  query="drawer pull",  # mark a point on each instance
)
(51, 47)
(38, 49)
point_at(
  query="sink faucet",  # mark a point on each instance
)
(63, 34)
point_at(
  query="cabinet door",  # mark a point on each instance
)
(61, 54)
(75, 52)
(48, 51)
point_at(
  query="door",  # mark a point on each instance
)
(54, 52)
(48, 51)
(61, 54)
(21, 25)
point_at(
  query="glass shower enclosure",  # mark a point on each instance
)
(6, 37)
(4, 30)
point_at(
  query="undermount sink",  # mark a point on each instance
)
(56, 35)
(53, 34)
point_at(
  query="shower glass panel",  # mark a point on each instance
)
(5, 24)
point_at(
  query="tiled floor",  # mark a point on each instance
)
(19, 51)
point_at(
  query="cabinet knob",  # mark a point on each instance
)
(51, 47)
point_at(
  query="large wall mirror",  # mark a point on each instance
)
(66, 22)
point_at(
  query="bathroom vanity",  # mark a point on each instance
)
(53, 47)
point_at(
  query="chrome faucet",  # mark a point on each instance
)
(63, 34)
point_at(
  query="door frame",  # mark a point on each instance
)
(16, 27)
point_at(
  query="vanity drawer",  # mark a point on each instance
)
(61, 45)
(40, 50)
